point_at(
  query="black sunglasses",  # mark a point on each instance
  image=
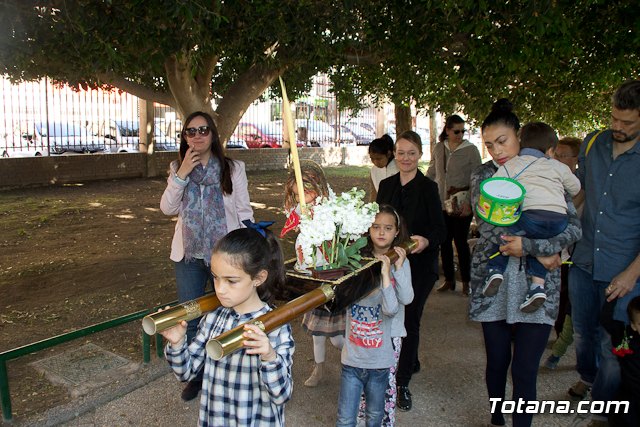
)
(202, 130)
(459, 131)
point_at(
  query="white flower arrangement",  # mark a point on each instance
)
(331, 234)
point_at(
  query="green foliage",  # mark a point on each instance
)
(558, 61)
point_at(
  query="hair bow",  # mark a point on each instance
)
(259, 226)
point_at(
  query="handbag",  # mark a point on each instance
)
(458, 204)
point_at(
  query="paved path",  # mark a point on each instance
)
(449, 391)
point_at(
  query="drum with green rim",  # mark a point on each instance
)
(500, 201)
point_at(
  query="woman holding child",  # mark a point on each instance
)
(504, 324)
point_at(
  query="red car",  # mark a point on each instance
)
(256, 136)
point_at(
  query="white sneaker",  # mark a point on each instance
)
(492, 285)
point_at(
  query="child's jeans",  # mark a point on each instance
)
(353, 382)
(533, 224)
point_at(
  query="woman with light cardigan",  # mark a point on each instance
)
(454, 158)
(209, 193)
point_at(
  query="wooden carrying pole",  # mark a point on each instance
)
(293, 146)
(158, 322)
(231, 340)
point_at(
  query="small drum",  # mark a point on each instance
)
(500, 201)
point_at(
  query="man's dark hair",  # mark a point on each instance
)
(627, 96)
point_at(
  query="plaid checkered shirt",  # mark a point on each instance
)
(239, 389)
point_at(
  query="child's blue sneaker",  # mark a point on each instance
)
(551, 362)
(492, 285)
(535, 298)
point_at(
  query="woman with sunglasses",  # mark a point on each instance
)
(454, 158)
(209, 193)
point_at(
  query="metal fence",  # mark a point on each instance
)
(42, 118)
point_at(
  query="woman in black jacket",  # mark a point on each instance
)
(416, 198)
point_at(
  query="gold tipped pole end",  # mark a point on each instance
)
(214, 349)
(149, 325)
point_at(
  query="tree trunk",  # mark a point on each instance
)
(189, 95)
(433, 130)
(244, 90)
(194, 94)
(403, 119)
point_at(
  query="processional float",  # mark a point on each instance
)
(303, 292)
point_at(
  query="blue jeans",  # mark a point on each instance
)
(534, 224)
(191, 281)
(596, 364)
(353, 381)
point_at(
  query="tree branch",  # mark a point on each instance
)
(136, 89)
(203, 78)
(244, 90)
(358, 57)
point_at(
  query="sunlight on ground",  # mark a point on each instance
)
(258, 205)
(125, 216)
(152, 209)
(95, 204)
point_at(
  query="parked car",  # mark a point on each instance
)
(236, 144)
(369, 128)
(124, 136)
(315, 132)
(423, 132)
(363, 135)
(66, 137)
(256, 135)
(344, 134)
(274, 130)
(170, 128)
(24, 145)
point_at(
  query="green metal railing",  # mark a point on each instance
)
(5, 397)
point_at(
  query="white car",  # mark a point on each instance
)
(25, 145)
(124, 137)
(318, 133)
(67, 137)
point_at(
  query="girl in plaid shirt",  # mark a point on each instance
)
(251, 386)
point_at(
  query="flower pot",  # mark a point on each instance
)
(324, 273)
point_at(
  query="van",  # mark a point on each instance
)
(123, 136)
(68, 137)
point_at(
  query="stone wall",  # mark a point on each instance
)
(55, 170)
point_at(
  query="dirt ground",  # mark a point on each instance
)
(75, 255)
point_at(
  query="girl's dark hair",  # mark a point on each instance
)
(538, 135)
(253, 253)
(633, 309)
(402, 236)
(382, 145)
(502, 113)
(226, 164)
(448, 124)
